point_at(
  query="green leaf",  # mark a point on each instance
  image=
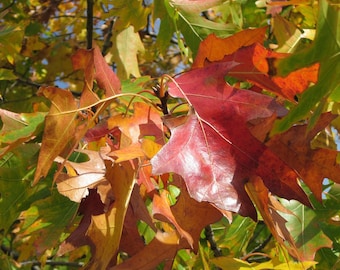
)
(7, 74)
(305, 228)
(195, 28)
(18, 128)
(238, 235)
(130, 12)
(45, 221)
(127, 44)
(324, 50)
(232, 263)
(15, 191)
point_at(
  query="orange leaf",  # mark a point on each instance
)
(105, 230)
(146, 121)
(214, 48)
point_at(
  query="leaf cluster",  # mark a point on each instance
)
(108, 160)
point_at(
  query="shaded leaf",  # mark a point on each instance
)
(226, 263)
(305, 228)
(44, 222)
(161, 205)
(16, 193)
(7, 74)
(95, 68)
(312, 165)
(269, 207)
(156, 252)
(131, 12)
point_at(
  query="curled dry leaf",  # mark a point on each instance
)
(86, 175)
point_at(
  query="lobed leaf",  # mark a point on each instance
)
(214, 150)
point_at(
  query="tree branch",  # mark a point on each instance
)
(209, 235)
(89, 24)
(53, 263)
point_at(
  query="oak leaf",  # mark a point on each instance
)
(161, 206)
(62, 131)
(214, 150)
(312, 165)
(101, 227)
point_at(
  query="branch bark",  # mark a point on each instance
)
(89, 24)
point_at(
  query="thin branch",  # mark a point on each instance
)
(209, 235)
(8, 7)
(89, 24)
(53, 263)
(107, 40)
(262, 245)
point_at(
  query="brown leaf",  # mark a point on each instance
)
(161, 205)
(95, 68)
(312, 165)
(62, 130)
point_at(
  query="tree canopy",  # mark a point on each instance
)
(169, 134)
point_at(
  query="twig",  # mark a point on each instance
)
(209, 235)
(53, 263)
(262, 245)
(107, 40)
(89, 24)
(8, 7)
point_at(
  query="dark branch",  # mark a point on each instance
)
(262, 245)
(8, 7)
(107, 41)
(209, 235)
(89, 24)
(53, 263)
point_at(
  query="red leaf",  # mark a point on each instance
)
(95, 68)
(214, 150)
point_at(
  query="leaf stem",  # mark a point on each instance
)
(100, 102)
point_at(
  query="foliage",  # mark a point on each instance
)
(109, 160)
